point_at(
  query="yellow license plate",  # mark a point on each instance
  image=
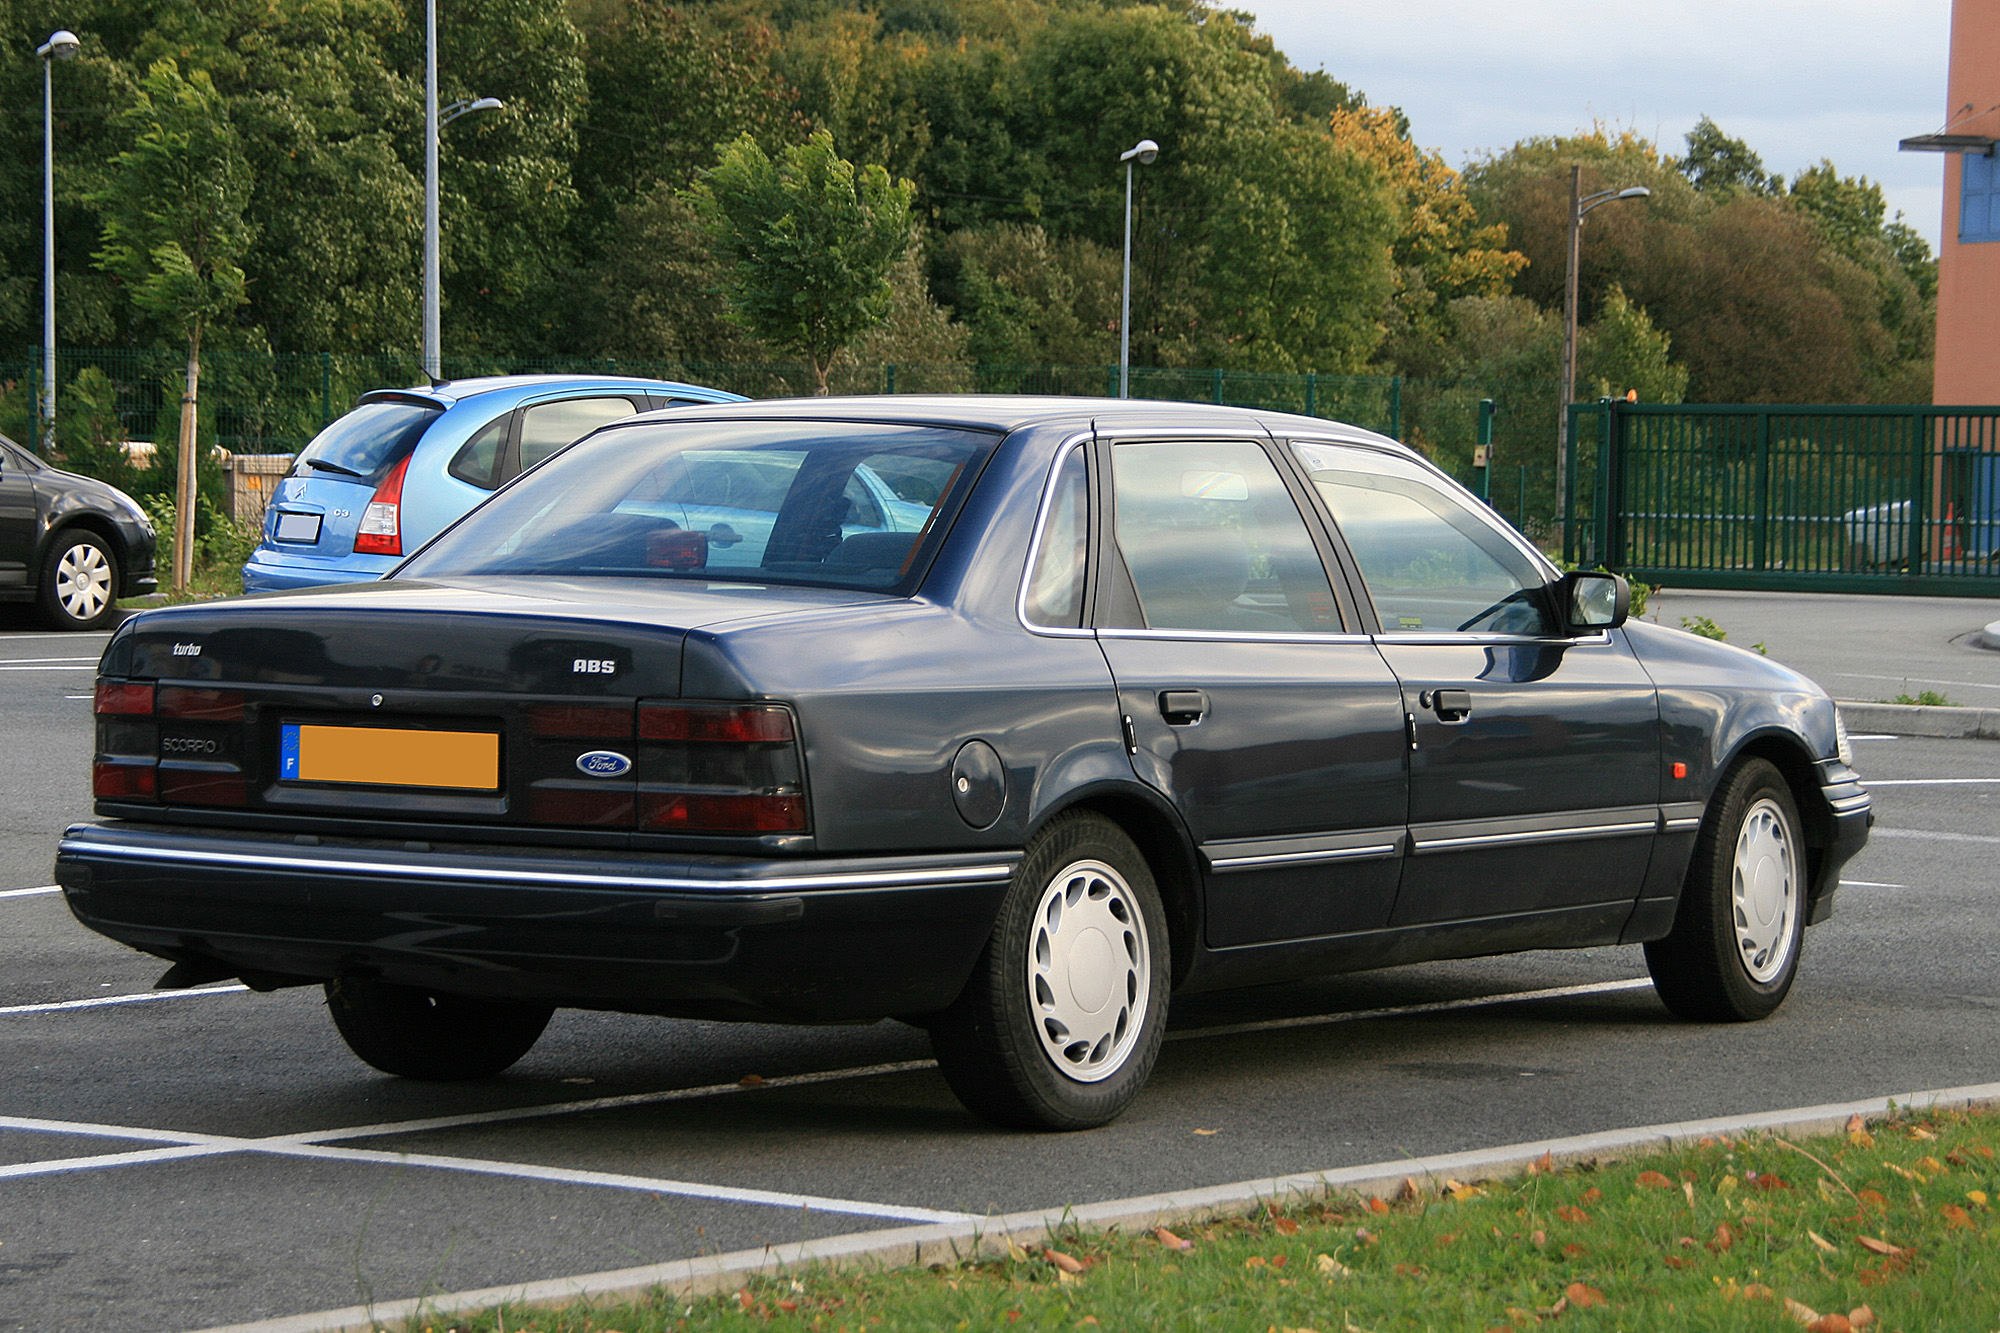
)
(390, 756)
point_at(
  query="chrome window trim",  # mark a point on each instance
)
(1077, 441)
(1453, 638)
(1232, 636)
(1372, 852)
(86, 849)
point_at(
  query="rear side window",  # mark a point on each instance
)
(547, 427)
(368, 441)
(847, 504)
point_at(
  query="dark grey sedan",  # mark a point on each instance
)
(1135, 699)
(72, 545)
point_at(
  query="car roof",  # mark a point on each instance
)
(1012, 412)
(448, 393)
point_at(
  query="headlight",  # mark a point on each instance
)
(1841, 746)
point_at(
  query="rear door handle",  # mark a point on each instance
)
(1449, 705)
(1183, 708)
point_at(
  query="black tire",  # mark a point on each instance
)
(414, 1033)
(79, 581)
(1734, 948)
(1082, 918)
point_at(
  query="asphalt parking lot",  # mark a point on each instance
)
(202, 1158)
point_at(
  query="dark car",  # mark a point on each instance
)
(1157, 697)
(72, 545)
(386, 477)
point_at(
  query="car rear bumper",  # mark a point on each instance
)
(826, 940)
(267, 571)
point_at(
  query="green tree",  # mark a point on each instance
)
(810, 242)
(1719, 165)
(174, 231)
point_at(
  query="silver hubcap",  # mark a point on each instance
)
(1090, 971)
(1765, 892)
(83, 581)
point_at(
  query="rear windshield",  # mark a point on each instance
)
(847, 504)
(367, 442)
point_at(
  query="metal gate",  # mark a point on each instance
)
(1825, 499)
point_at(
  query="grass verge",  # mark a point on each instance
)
(1887, 1227)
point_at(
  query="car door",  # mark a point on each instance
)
(17, 518)
(1534, 755)
(1249, 696)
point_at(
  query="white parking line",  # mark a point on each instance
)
(24, 661)
(1927, 782)
(91, 661)
(29, 893)
(70, 637)
(1920, 680)
(1930, 835)
(1869, 884)
(107, 1001)
(315, 1144)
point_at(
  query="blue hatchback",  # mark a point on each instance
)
(405, 463)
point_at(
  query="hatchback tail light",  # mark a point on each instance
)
(381, 530)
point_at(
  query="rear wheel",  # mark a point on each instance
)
(1061, 1022)
(79, 587)
(415, 1033)
(1734, 949)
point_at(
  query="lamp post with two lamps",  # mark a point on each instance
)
(1579, 204)
(434, 120)
(1144, 152)
(61, 45)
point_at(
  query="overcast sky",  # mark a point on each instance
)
(1839, 79)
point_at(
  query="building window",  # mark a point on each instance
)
(1978, 198)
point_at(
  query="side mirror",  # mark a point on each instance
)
(1593, 599)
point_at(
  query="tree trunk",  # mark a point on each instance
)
(819, 369)
(184, 488)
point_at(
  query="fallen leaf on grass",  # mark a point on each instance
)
(1675, 1261)
(1377, 1204)
(1757, 1291)
(1873, 1199)
(1285, 1226)
(1881, 1247)
(1408, 1270)
(1544, 1165)
(1857, 1132)
(1407, 1191)
(1956, 1217)
(1592, 1195)
(1822, 1241)
(1653, 1180)
(1583, 1297)
(1724, 1238)
(1766, 1181)
(1364, 1235)
(1861, 1317)
(1919, 1132)
(1978, 1197)
(1170, 1240)
(1575, 1251)
(1067, 1263)
(1571, 1213)
(1460, 1193)
(1538, 1237)
(1254, 1261)
(1931, 1164)
(1331, 1266)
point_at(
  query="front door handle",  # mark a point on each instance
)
(1183, 708)
(1449, 705)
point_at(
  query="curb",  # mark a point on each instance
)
(1922, 720)
(1990, 636)
(949, 1242)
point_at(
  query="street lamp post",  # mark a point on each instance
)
(434, 120)
(1145, 151)
(1579, 204)
(61, 45)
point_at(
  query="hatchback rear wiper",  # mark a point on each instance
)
(325, 466)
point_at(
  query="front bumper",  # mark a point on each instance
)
(1852, 812)
(825, 940)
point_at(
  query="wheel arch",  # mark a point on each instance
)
(1784, 751)
(1156, 830)
(96, 525)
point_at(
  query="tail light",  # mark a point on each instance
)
(126, 765)
(720, 768)
(381, 530)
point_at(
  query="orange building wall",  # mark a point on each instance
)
(1968, 315)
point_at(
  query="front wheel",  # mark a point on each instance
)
(414, 1033)
(79, 587)
(1734, 948)
(1061, 1022)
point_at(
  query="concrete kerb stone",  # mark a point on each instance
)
(1990, 636)
(951, 1242)
(1922, 720)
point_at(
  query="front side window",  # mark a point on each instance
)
(1430, 561)
(1213, 541)
(849, 504)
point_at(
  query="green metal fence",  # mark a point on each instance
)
(268, 403)
(1808, 498)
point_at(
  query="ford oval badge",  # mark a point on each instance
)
(603, 764)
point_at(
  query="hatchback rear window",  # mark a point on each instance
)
(367, 442)
(849, 504)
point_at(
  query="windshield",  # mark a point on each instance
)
(367, 442)
(849, 504)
